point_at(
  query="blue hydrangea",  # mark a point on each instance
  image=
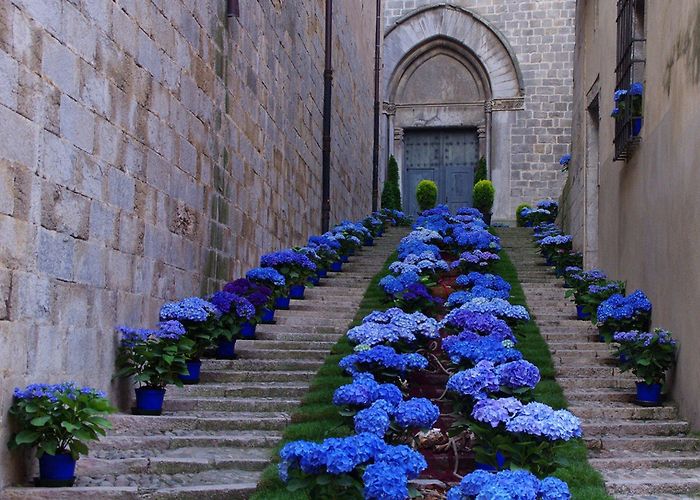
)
(477, 383)
(470, 349)
(193, 309)
(364, 391)
(496, 411)
(167, 330)
(268, 275)
(324, 240)
(552, 488)
(393, 325)
(416, 413)
(540, 420)
(405, 458)
(391, 285)
(484, 280)
(384, 482)
(510, 485)
(287, 258)
(475, 259)
(53, 392)
(619, 308)
(476, 322)
(382, 358)
(500, 308)
(374, 420)
(518, 375)
(233, 304)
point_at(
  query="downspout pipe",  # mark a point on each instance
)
(377, 102)
(327, 110)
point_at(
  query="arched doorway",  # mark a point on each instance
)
(452, 85)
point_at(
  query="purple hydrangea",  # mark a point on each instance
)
(192, 309)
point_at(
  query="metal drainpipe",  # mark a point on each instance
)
(377, 69)
(327, 109)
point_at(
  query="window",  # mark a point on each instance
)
(629, 73)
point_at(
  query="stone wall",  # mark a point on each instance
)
(541, 34)
(149, 151)
(647, 208)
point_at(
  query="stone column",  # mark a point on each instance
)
(390, 112)
(398, 153)
(481, 134)
(503, 115)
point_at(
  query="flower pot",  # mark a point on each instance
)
(637, 123)
(337, 266)
(268, 316)
(296, 292)
(248, 330)
(322, 273)
(344, 258)
(226, 349)
(648, 394)
(369, 241)
(580, 314)
(282, 303)
(56, 469)
(500, 460)
(149, 401)
(194, 367)
(314, 280)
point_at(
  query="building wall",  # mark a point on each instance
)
(649, 205)
(541, 34)
(149, 152)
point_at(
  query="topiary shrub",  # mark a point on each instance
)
(480, 173)
(483, 195)
(391, 194)
(519, 218)
(426, 194)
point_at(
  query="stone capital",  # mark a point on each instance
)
(508, 104)
(389, 108)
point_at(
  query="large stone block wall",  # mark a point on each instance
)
(541, 33)
(148, 151)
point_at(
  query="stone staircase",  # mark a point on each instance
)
(643, 453)
(214, 439)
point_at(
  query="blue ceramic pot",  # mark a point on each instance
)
(226, 349)
(344, 258)
(194, 367)
(149, 399)
(322, 273)
(637, 125)
(282, 303)
(296, 292)
(648, 394)
(268, 316)
(248, 330)
(314, 280)
(337, 266)
(59, 467)
(369, 242)
(582, 315)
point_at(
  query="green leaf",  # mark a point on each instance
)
(40, 421)
(26, 437)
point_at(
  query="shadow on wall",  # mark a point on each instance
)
(687, 45)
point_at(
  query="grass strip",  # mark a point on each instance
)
(317, 418)
(584, 481)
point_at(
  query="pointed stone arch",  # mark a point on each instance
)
(453, 44)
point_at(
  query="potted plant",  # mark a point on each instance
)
(273, 279)
(426, 194)
(648, 356)
(549, 246)
(59, 420)
(200, 318)
(521, 215)
(236, 311)
(375, 226)
(623, 314)
(153, 359)
(294, 266)
(578, 282)
(357, 234)
(327, 248)
(260, 296)
(482, 196)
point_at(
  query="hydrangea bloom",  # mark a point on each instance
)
(416, 413)
(375, 420)
(233, 304)
(461, 297)
(193, 309)
(382, 358)
(645, 338)
(510, 485)
(384, 482)
(393, 325)
(476, 322)
(540, 420)
(268, 275)
(475, 259)
(258, 295)
(618, 307)
(167, 330)
(500, 308)
(496, 411)
(477, 383)
(491, 281)
(518, 375)
(53, 392)
(469, 349)
(364, 391)
(287, 258)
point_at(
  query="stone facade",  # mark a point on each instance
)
(151, 149)
(533, 41)
(637, 218)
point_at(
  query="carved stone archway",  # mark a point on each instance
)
(473, 81)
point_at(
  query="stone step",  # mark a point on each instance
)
(284, 345)
(347, 306)
(272, 354)
(572, 360)
(209, 444)
(270, 389)
(231, 405)
(611, 427)
(670, 459)
(653, 481)
(578, 397)
(579, 346)
(619, 410)
(260, 365)
(318, 319)
(571, 370)
(647, 444)
(181, 424)
(314, 316)
(572, 337)
(331, 338)
(320, 329)
(232, 376)
(609, 382)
